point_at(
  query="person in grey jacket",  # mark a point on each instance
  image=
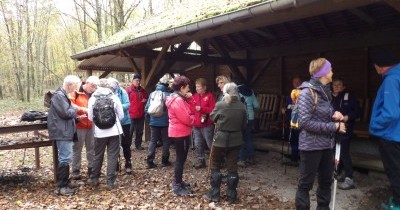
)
(61, 127)
(318, 123)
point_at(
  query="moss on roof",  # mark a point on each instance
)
(187, 12)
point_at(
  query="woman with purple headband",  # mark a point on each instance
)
(319, 123)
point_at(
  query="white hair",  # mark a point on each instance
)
(230, 89)
(93, 80)
(71, 80)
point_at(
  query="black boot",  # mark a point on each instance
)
(233, 180)
(165, 161)
(63, 181)
(215, 182)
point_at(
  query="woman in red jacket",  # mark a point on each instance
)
(181, 118)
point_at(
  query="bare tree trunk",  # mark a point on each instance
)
(99, 23)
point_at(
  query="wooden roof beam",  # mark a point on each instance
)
(394, 3)
(263, 34)
(224, 53)
(131, 60)
(157, 63)
(363, 16)
(259, 72)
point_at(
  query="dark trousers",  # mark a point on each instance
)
(312, 163)
(137, 126)
(112, 144)
(126, 144)
(390, 151)
(181, 147)
(158, 133)
(230, 153)
(294, 144)
(345, 162)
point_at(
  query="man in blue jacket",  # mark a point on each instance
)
(385, 121)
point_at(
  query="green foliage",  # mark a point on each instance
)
(14, 105)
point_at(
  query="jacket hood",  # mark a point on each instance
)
(161, 87)
(393, 71)
(171, 98)
(245, 90)
(102, 91)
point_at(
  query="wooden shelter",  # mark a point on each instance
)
(264, 45)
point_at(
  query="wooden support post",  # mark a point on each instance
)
(37, 157)
(55, 160)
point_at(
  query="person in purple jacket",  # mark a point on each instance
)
(319, 124)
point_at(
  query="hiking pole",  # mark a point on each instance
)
(283, 133)
(337, 157)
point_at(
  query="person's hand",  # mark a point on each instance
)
(144, 100)
(198, 108)
(345, 118)
(188, 95)
(341, 127)
(337, 116)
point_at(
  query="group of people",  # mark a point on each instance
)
(216, 124)
(327, 113)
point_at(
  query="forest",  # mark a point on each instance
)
(38, 37)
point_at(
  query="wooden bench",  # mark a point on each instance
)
(362, 124)
(268, 113)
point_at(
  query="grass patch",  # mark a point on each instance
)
(11, 105)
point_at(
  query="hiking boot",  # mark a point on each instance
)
(140, 148)
(65, 191)
(180, 190)
(215, 181)
(111, 185)
(232, 182)
(92, 182)
(250, 161)
(129, 171)
(341, 177)
(165, 164)
(242, 163)
(73, 185)
(151, 165)
(201, 163)
(76, 177)
(347, 184)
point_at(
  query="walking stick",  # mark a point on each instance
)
(283, 133)
(337, 157)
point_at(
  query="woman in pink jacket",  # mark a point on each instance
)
(181, 118)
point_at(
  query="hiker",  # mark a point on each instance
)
(181, 119)
(319, 123)
(221, 81)
(126, 141)
(293, 134)
(230, 117)
(246, 154)
(84, 131)
(347, 104)
(158, 126)
(203, 127)
(385, 121)
(61, 127)
(138, 98)
(107, 137)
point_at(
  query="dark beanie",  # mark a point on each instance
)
(136, 76)
(384, 57)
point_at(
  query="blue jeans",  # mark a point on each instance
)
(202, 135)
(64, 152)
(248, 143)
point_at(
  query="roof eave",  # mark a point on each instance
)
(249, 12)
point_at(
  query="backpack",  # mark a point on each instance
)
(294, 117)
(103, 111)
(156, 107)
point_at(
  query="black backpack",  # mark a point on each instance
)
(103, 111)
